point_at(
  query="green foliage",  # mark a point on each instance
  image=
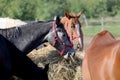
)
(18, 9)
(113, 6)
(47, 9)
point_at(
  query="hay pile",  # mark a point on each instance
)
(59, 68)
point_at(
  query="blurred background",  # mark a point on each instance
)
(99, 13)
(46, 9)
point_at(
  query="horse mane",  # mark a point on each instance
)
(72, 14)
(14, 32)
(11, 32)
(44, 21)
(30, 23)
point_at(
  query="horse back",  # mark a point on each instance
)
(102, 59)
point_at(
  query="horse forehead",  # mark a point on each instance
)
(72, 14)
(60, 25)
(74, 21)
(74, 18)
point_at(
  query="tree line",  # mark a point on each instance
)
(47, 9)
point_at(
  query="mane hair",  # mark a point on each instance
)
(44, 21)
(14, 32)
(34, 22)
(11, 32)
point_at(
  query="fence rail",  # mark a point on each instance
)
(100, 22)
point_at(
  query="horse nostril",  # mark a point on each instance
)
(66, 56)
(63, 35)
(73, 54)
(78, 45)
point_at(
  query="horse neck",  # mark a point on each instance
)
(35, 34)
(27, 37)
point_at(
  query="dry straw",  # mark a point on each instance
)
(59, 68)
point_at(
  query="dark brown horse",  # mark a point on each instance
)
(15, 62)
(102, 58)
(73, 27)
(5, 61)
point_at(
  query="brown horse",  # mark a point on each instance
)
(73, 27)
(102, 59)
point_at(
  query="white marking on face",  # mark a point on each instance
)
(78, 32)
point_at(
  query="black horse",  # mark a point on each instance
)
(28, 37)
(15, 62)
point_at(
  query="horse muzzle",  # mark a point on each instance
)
(70, 52)
(79, 47)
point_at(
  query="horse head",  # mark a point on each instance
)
(59, 39)
(73, 27)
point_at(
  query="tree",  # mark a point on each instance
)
(47, 9)
(113, 7)
(18, 9)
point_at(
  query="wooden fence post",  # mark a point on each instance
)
(102, 23)
(86, 23)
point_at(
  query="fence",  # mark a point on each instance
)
(102, 22)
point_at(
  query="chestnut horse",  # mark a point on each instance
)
(102, 58)
(73, 27)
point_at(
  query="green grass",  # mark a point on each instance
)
(93, 30)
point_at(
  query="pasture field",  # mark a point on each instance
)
(93, 30)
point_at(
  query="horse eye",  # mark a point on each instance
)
(59, 30)
(72, 27)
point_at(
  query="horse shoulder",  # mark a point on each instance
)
(102, 61)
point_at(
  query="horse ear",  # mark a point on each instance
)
(79, 14)
(66, 14)
(57, 19)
